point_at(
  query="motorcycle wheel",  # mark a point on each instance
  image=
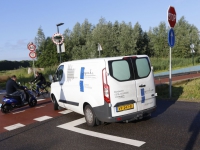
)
(6, 108)
(32, 102)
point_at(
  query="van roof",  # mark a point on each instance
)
(104, 58)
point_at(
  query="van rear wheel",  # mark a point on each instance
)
(90, 117)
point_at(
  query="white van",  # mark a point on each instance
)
(110, 89)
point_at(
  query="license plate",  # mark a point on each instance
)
(125, 107)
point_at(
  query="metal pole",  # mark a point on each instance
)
(193, 57)
(170, 74)
(33, 68)
(59, 45)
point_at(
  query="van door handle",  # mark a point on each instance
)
(142, 85)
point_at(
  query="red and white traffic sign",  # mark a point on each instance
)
(29, 44)
(31, 47)
(32, 54)
(58, 38)
(171, 16)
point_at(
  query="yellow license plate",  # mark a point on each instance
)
(125, 107)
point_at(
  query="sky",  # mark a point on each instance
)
(21, 19)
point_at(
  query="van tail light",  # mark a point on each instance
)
(106, 88)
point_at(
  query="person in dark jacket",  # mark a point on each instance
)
(12, 88)
(39, 77)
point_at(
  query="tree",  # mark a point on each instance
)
(39, 41)
(158, 40)
(140, 39)
(186, 35)
(49, 56)
(127, 39)
(68, 45)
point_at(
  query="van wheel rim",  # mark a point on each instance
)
(89, 115)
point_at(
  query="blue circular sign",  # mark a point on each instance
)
(171, 37)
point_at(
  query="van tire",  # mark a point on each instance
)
(55, 104)
(90, 116)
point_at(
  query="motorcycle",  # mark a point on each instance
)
(10, 102)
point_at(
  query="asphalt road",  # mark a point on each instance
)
(173, 126)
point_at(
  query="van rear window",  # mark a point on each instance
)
(129, 68)
(120, 70)
(143, 68)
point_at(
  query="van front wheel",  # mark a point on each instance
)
(89, 116)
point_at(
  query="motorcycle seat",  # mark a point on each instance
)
(12, 96)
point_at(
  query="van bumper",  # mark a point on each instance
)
(106, 115)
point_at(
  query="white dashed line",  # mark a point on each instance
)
(71, 126)
(18, 112)
(40, 106)
(14, 126)
(40, 100)
(65, 112)
(42, 118)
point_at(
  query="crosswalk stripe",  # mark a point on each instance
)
(42, 118)
(65, 112)
(14, 126)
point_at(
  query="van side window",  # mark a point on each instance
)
(120, 70)
(143, 67)
(59, 73)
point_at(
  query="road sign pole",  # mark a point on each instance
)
(99, 54)
(99, 49)
(33, 68)
(193, 58)
(170, 74)
(171, 17)
(60, 52)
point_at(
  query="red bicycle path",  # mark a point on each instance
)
(175, 78)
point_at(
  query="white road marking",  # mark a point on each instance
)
(71, 126)
(42, 118)
(14, 126)
(18, 112)
(65, 112)
(40, 106)
(40, 100)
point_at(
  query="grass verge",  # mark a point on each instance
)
(187, 90)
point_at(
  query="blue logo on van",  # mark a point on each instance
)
(142, 95)
(81, 86)
(82, 73)
(81, 81)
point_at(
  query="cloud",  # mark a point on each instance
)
(15, 45)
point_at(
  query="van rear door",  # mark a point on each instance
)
(144, 83)
(129, 78)
(122, 86)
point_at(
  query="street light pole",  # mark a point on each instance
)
(59, 24)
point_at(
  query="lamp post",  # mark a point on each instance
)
(59, 24)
